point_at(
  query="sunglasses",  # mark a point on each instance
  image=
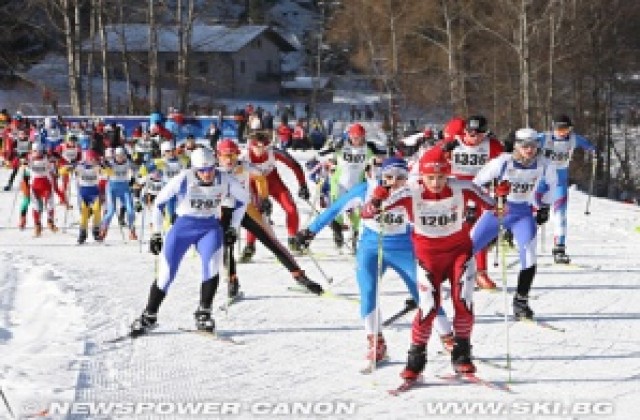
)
(528, 143)
(392, 177)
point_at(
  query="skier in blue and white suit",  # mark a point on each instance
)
(200, 191)
(397, 248)
(526, 180)
(558, 146)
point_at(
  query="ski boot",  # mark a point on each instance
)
(7, 188)
(338, 237)
(52, 227)
(415, 362)
(354, 241)
(144, 324)
(37, 230)
(483, 281)
(234, 288)
(311, 286)
(121, 217)
(448, 342)
(22, 223)
(507, 237)
(247, 253)
(82, 236)
(521, 309)
(96, 234)
(559, 254)
(204, 322)
(103, 232)
(377, 348)
(293, 245)
(461, 356)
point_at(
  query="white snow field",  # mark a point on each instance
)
(301, 355)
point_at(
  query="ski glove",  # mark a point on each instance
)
(380, 193)
(155, 244)
(138, 206)
(265, 206)
(230, 236)
(542, 215)
(471, 214)
(503, 189)
(303, 192)
(304, 238)
(449, 146)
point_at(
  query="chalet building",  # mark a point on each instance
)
(224, 61)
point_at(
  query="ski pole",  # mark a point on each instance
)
(228, 249)
(594, 166)
(500, 207)
(376, 315)
(144, 210)
(6, 404)
(315, 262)
(15, 199)
(67, 194)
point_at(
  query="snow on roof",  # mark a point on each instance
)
(205, 38)
(293, 17)
(306, 82)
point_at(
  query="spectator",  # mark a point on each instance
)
(284, 134)
(213, 134)
(267, 121)
(299, 136)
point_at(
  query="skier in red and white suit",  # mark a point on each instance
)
(437, 208)
(264, 158)
(41, 171)
(469, 153)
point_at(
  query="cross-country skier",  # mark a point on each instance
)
(558, 145)
(88, 173)
(395, 246)
(253, 220)
(352, 156)
(120, 173)
(469, 153)
(437, 207)
(524, 178)
(264, 157)
(41, 176)
(201, 191)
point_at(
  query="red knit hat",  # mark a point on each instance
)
(434, 161)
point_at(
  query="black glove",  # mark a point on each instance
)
(155, 244)
(303, 192)
(304, 238)
(265, 206)
(542, 215)
(471, 214)
(137, 206)
(450, 145)
(230, 236)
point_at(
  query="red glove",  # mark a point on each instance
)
(380, 193)
(370, 209)
(503, 189)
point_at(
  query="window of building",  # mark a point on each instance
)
(170, 66)
(203, 68)
(242, 67)
(257, 43)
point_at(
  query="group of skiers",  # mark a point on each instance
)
(430, 212)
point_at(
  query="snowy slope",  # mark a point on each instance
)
(59, 303)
